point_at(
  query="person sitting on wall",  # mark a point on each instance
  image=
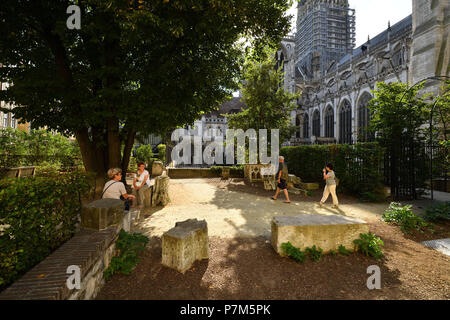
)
(281, 177)
(141, 183)
(115, 189)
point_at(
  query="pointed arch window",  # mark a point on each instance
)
(316, 124)
(306, 127)
(345, 123)
(329, 122)
(363, 119)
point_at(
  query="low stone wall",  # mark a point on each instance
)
(190, 173)
(91, 251)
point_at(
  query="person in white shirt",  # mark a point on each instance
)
(141, 183)
(330, 186)
(115, 189)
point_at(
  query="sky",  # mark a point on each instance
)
(372, 16)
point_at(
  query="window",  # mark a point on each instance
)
(364, 119)
(329, 122)
(13, 122)
(316, 124)
(306, 127)
(5, 120)
(345, 123)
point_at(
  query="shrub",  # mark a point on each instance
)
(343, 250)
(370, 245)
(237, 172)
(358, 166)
(315, 253)
(144, 153)
(129, 246)
(48, 168)
(405, 218)
(438, 212)
(162, 153)
(293, 252)
(216, 170)
(38, 215)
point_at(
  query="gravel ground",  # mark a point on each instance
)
(243, 265)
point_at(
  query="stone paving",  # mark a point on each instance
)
(441, 245)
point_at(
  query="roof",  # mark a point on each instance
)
(233, 105)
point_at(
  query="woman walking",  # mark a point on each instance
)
(330, 186)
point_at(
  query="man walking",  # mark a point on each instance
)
(281, 177)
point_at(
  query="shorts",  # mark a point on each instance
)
(282, 185)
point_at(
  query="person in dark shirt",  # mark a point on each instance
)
(281, 179)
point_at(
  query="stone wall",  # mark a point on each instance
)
(91, 251)
(190, 173)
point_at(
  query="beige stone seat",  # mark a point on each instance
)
(184, 244)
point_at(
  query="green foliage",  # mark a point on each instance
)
(48, 168)
(405, 218)
(162, 153)
(38, 148)
(129, 246)
(344, 251)
(370, 245)
(37, 215)
(293, 252)
(237, 172)
(309, 193)
(268, 104)
(357, 166)
(217, 170)
(315, 254)
(438, 212)
(333, 253)
(145, 66)
(144, 153)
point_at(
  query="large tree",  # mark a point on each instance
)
(134, 66)
(268, 104)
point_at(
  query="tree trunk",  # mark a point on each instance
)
(129, 142)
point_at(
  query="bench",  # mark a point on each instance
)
(307, 230)
(184, 244)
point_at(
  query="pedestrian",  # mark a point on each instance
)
(115, 189)
(141, 183)
(281, 178)
(330, 187)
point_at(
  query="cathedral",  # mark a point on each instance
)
(337, 80)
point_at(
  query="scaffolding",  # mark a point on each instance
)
(325, 33)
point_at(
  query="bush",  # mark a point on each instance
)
(162, 153)
(405, 218)
(315, 253)
(129, 246)
(437, 213)
(48, 168)
(216, 170)
(293, 252)
(38, 215)
(357, 166)
(237, 172)
(343, 250)
(370, 245)
(144, 153)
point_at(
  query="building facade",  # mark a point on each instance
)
(333, 106)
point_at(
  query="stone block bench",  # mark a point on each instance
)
(184, 244)
(326, 232)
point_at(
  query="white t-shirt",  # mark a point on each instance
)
(114, 189)
(141, 177)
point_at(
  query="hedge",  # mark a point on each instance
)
(359, 167)
(38, 215)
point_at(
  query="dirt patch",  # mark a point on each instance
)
(249, 268)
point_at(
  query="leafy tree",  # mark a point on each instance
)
(398, 118)
(134, 66)
(268, 104)
(144, 153)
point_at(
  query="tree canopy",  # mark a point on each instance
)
(134, 66)
(268, 103)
